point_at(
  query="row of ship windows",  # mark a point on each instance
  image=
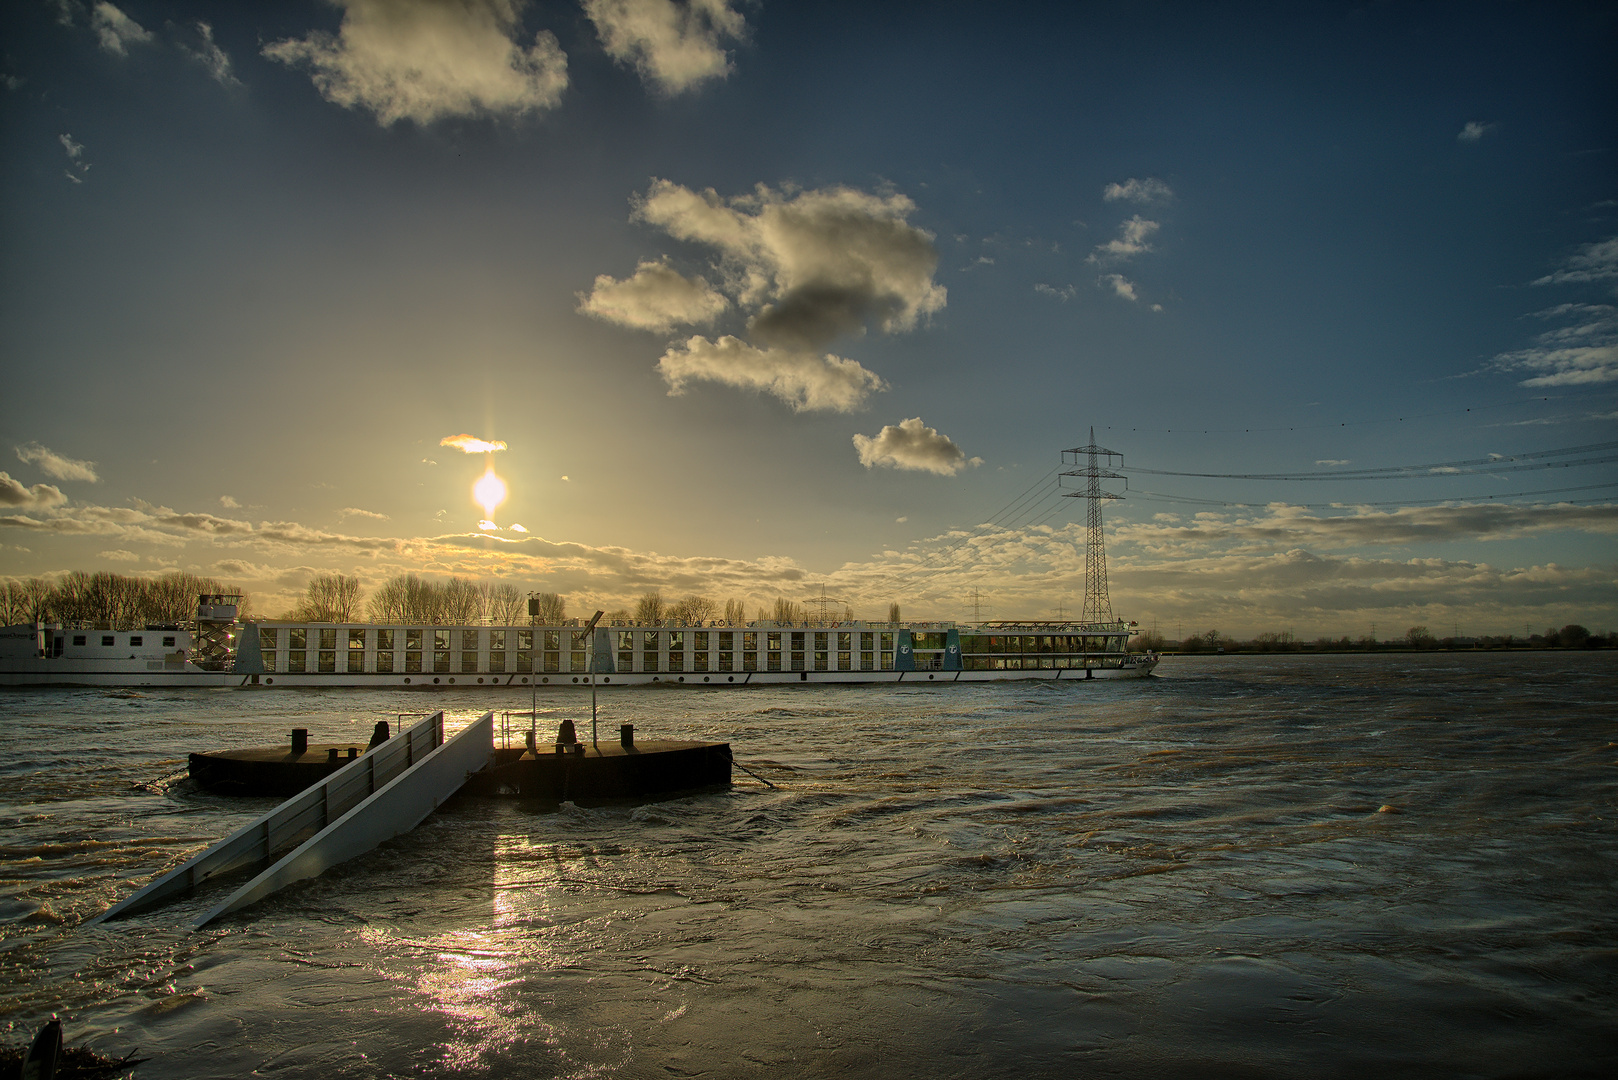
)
(134, 640)
(442, 660)
(471, 640)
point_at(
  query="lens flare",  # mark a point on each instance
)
(489, 491)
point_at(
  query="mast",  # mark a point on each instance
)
(1097, 466)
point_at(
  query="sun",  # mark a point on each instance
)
(490, 491)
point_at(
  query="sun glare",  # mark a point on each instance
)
(490, 492)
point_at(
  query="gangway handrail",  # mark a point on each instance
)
(312, 809)
(390, 811)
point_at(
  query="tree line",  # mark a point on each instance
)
(118, 600)
(1571, 636)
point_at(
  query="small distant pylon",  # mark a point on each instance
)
(1097, 605)
(977, 605)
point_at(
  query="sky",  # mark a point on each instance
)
(781, 300)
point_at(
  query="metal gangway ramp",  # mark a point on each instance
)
(381, 794)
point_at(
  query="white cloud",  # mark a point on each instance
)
(36, 497)
(657, 297)
(1120, 285)
(674, 46)
(354, 511)
(1141, 191)
(1131, 240)
(817, 264)
(118, 555)
(1473, 131)
(1064, 294)
(53, 464)
(77, 166)
(116, 30)
(425, 60)
(804, 380)
(469, 444)
(229, 503)
(1593, 262)
(912, 445)
(211, 56)
(1583, 353)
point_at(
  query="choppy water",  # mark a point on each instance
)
(1192, 875)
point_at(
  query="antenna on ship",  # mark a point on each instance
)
(1097, 606)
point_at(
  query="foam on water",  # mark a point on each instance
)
(1246, 866)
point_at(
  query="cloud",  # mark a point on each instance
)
(37, 497)
(674, 46)
(1332, 462)
(1064, 294)
(816, 264)
(1121, 286)
(77, 166)
(1473, 131)
(211, 56)
(1141, 191)
(656, 298)
(1593, 262)
(115, 30)
(424, 60)
(252, 571)
(229, 503)
(53, 464)
(805, 380)
(469, 444)
(912, 445)
(517, 528)
(1131, 240)
(354, 511)
(118, 555)
(1580, 354)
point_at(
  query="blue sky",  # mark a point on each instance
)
(766, 297)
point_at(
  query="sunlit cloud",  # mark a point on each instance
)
(469, 444)
(1583, 352)
(674, 46)
(806, 381)
(1131, 240)
(424, 61)
(210, 56)
(35, 497)
(1121, 286)
(354, 511)
(115, 30)
(516, 528)
(488, 526)
(912, 445)
(657, 297)
(1592, 262)
(55, 465)
(1473, 131)
(229, 503)
(1141, 191)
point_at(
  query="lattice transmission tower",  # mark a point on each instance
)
(1097, 466)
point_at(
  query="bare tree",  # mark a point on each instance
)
(172, 598)
(893, 612)
(333, 598)
(552, 609)
(617, 618)
(11, 607)
(387, 603)
(650, 609)
(423, 601)
(463, 606)
(787, 611)
(735, 612)
(36, 599)
(693, 610)
(503, 604)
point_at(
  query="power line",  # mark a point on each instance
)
(1394, 502)
(1604, 454)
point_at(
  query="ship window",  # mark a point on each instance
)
(750, 641)
(356, 660)
(356, 639)
(649, 640)
(441, 660)
(797, 657)
(648, 661)
(727, 642)
(497, 661)
(384, 641)
(773, 660)
(820, 657)
(887, 660)
(820, 641)
(412, 639)
(299, 638)
(578, 661)
(78, 639)
(266, 640)
(928, 641)
(749, 661)
(553, 661)
(106, 639)
(887, 642)
(699, 640)
(136, 639)
(867, 661)
(328, 661)
(797, 639)
(470, 639)
(578, 640)
(525, 660)
(328, 638)
(384, 661)
(773, 641)
(626, 660)
(726, 660)
(626, 639)
(469, 661)
(845, 662)
(168, 642)
(553, 639)
(497, 640)
(844, 638)
(413, 662)
(525, 640)
(676, 661)
(441, 640)
(699, 661)
(867, 642)
(269, 660)
(295, 660)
